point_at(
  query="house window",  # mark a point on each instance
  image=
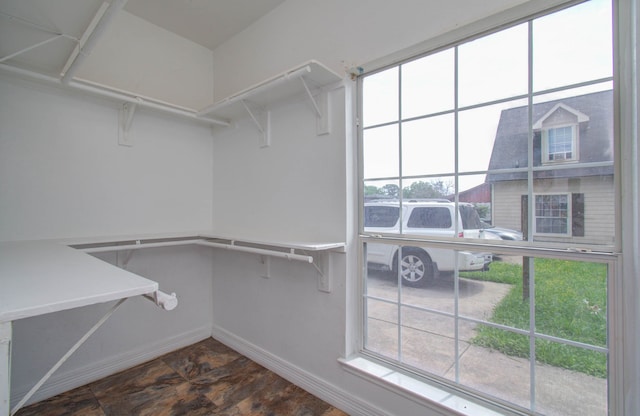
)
(475, 125)
(560, 144)
(552, 214)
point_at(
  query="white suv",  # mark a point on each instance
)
(433, 218)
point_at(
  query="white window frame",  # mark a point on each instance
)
(625, 290)
(568, 217)
(546, 152)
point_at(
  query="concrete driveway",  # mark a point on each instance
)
(429, 343)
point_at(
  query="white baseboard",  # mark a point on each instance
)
(62, 382)
(320, 388)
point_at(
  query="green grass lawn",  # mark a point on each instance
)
(571, 300)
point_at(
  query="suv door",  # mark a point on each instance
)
(381, 219)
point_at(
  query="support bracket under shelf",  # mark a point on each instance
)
(320, 104)
(322, 263)
(265, 130)
(125, 119)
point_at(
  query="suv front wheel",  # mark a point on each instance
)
(416, 267)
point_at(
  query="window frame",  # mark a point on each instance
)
(568, 218)
(624, 73)
(546, 152)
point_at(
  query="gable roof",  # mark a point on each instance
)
(593, 112)
(560, 107)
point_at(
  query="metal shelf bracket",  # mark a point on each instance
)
(125, 119)
(265, 131)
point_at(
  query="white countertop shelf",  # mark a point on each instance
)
(39, 277)
(149, 240)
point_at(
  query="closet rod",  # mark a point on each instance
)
(137, 245)
(297, 73)
(265, 252)
(201, 242)
(163, 300)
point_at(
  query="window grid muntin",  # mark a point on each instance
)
(530, 170)
(568, 148)
(560, 140)
(588, 257)
(553, 209)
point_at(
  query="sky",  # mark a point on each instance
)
(569, 47)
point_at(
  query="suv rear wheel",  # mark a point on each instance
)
(416, 267)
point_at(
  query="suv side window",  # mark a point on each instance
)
(377, 216)
(430, 217)
(470, 218)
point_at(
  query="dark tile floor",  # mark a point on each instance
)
(206, 378)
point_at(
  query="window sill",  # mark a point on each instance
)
(430, 395)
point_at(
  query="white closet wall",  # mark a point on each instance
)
(338, 34)
(63, 174)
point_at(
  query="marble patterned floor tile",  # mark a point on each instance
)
(174, 400)
(151, 376)
(281, 398)
(77, 402)
(206, 378)
(227, 391)
(193, 361)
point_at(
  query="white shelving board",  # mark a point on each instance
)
(272, 91)
(38, 277)
(41, 277)
(286, 244)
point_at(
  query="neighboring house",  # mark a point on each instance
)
(480, 197)
(572, 169)
(480, 194)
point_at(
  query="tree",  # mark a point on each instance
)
(390, 190)
(433, 189)
(370, 190)
(420, 189)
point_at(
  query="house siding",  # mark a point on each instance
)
(599, 215)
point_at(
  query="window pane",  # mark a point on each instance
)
(493, 67)
(498, 294)
(381, 216)
(382, 328)
(504, 376)
(430, 217)
(380, 97)
(571, 303)
(573, 45)
(493, 137)
(381, 190)
(381, 152)
(554, 385)
(428, 342)
(382, 282)
(428, 146)
(427, 85)
(428, 188)
(436, 295)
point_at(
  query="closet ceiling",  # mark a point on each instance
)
(206, 22)
(40, 36)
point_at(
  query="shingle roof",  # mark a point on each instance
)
(595, 138)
